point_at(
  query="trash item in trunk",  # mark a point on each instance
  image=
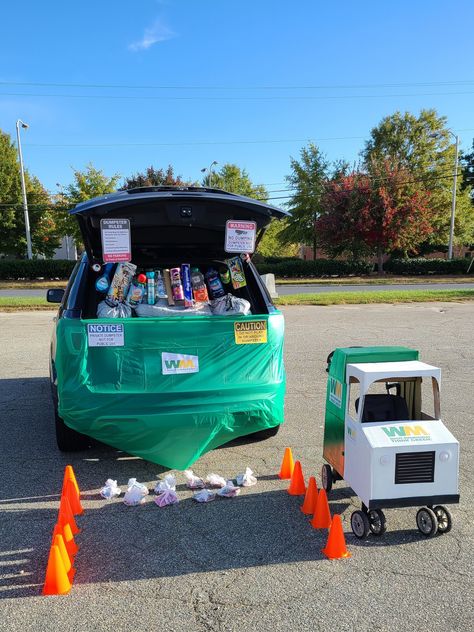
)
(237, 273)
(215, 480)
(137, 290)
(162, 309)
(199, 286)
(204, 496)
(150, 287)
(193, 481)
(187, 287)
(160, 290)
(169, 291)
(169, 497)
(176, 285)
(216, 289)
(113, 309)
(167, 484)
(135, 494)
(229, 490)
(110, 489)
(121, 281)
(103, 282)
(247, 479)
(230, 305)
(224, 273)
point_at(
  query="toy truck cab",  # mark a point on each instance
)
(381, 440)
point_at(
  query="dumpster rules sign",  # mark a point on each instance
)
(116, 244)
(240, 236)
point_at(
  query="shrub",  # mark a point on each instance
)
(13, 269)
(295, 268)
(427, 266)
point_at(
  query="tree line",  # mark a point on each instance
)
(396, 199)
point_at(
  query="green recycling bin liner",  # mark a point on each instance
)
(143, 398)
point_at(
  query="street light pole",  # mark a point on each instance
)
(23, 189)
(209, 172)
(453, 202)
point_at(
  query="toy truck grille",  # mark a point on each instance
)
(414, 467)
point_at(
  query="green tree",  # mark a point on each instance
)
(422, 146)
(86, 184)
(45, 234)
(467, 162)
(152, 177)
(232, 178)
(308, 180)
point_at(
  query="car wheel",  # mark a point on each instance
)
(377, 523)
(360, 524)
(68, 440)
(326, 477)
(267, 433)
(445, 522)
(427, 522)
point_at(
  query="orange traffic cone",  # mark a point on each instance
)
(311, 497)
(336, 545)
(73, 497)
(297, 486)
(322, 515)
(287, 465)
(65, 515)
(56, 582)
(70, 476)
(65, 531)
(59, 542)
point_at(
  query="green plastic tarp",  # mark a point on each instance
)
(120, 396)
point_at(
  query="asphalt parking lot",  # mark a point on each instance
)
(249, 563)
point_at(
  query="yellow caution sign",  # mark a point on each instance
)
(253, 332)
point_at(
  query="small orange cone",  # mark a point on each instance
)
(65, 515)
(65, 531)
(70, 476)
(335, 548)
(287, 465)
(322, 515)
(59, 542)
(297, 486)
(311, 497)
(73, 497)
(56, 582)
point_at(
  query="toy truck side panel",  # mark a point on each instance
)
(358, 465)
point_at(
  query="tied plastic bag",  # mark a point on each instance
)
(161, 308)
(135, 494)
(215, 480)
(168, 484)
(168, 497)
(110, 489)
(229, 490)
(193, 481)
(230, 305)
(247, 479)
(204, 496)
(113, 309)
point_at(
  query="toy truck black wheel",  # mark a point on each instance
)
(326, 477)
(360, 524)
(427, 522)
(377, 522)
(445, 522)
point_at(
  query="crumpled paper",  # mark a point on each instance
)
(110, 489)
(247, 479)
(169, 497)
(167, 484)
(193, 481)
(215, 480)
(135, 494)
(204, 496)
(229, 490)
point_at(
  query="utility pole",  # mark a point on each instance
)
(23, 189)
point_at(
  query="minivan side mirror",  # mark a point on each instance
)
(55, 295)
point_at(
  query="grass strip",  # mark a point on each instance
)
(372, 280)
(24, 303)
(362, 298)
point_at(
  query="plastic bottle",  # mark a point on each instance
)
(160, 290)
(199, 286)
(216, 289)
(137, 290)
(103, 282)
(150, 287)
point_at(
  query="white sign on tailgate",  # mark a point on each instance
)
(105, 335)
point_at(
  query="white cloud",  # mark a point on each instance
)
(157, 32)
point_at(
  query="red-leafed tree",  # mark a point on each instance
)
(374, 215)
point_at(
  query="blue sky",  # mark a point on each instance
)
(235, 53)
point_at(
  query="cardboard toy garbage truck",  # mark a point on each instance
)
(378, 439)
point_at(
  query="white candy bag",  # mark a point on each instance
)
(135, 494)
(247, 479)
(215, 480)
(110, 489)
(169, 497)
(167, 484)
(193, 481)
(229, 490)
(204, 496)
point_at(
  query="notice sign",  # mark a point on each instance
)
(253, 332)
(105, 335)
(116, 244)
(240, 236)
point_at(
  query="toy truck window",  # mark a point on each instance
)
(353, 399)
(401, 399)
